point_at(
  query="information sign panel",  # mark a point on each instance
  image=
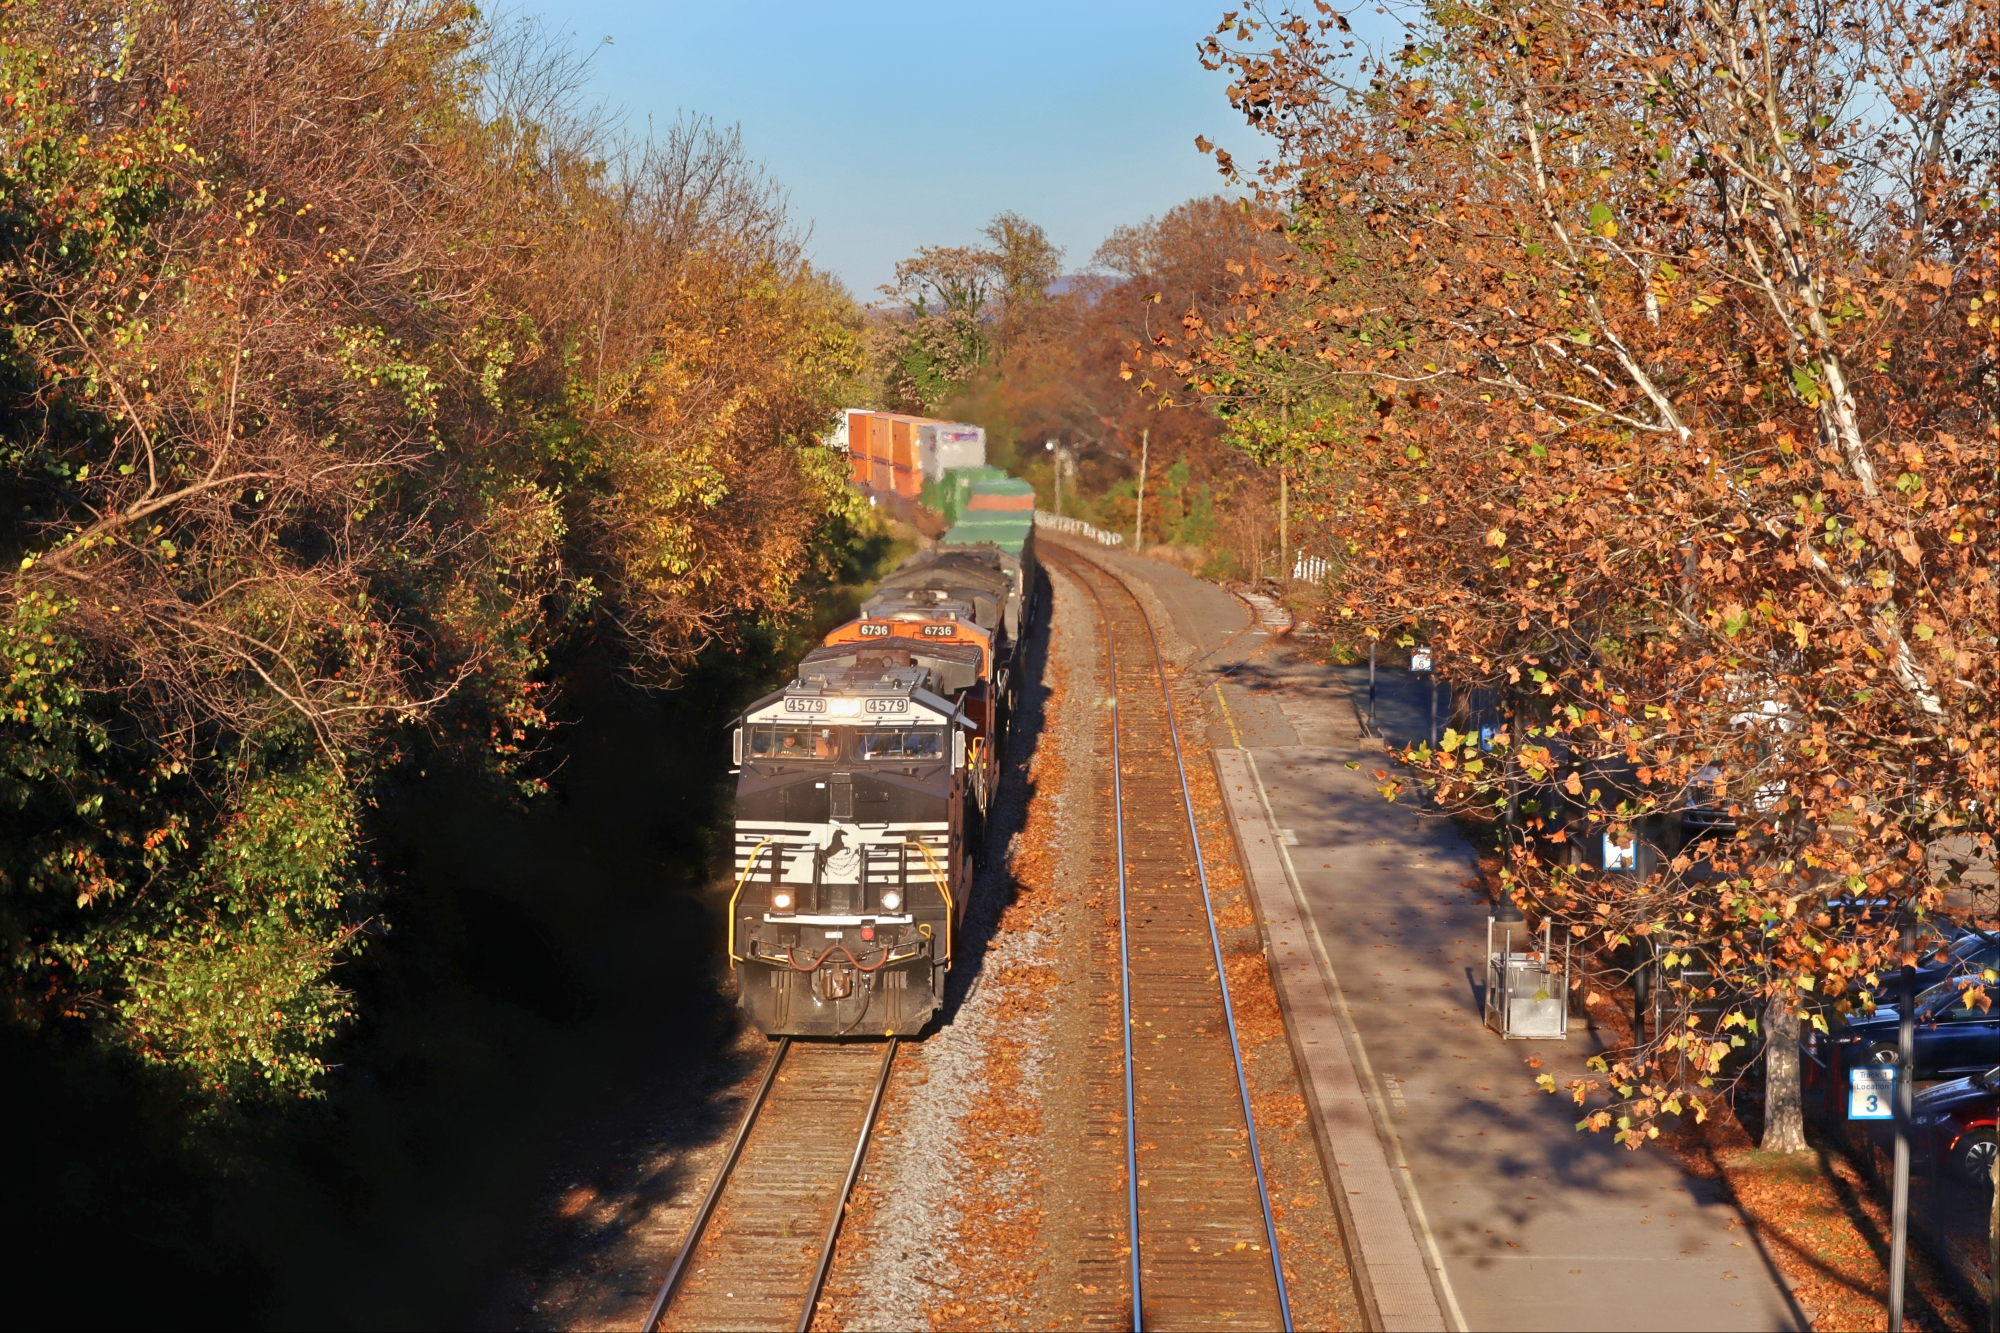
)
(1420, 659)
(1871, 1093)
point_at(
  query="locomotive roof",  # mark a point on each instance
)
(936, 581)
(951, 569)
(902, 651)
(932, 603)
(830, 678)
(840, 694)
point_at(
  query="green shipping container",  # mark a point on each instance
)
(949, 495)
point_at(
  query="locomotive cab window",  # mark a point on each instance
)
(902, 743)
(780, 743)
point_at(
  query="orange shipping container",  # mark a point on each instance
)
(857, 447)
(879, 474)
(903, 457)
(1009, 502)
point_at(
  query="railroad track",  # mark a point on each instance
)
(758, 1251)
(1203, 1239)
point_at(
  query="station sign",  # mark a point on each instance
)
(1871, 1093)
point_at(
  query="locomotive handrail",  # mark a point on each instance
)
(741, 880)
(982, 753)
(939, 878)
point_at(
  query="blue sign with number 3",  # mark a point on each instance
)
(1871, 1093)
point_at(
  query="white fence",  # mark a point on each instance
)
(1311, 568)
(1044, 519)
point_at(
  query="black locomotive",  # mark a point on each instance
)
(862, 794)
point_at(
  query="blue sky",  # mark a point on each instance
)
(895, 125)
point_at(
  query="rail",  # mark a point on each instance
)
(1129, 978)
(786, 1158)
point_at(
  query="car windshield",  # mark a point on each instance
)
(773, 741)
(1976, 944)
(902, 743)
(1947, 1000)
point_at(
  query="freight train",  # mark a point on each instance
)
(865, 784)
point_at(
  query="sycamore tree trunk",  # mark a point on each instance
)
(1784, 1113)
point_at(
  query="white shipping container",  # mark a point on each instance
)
(947, 445)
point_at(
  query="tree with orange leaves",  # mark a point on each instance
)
(1678, 330)
(347, 372)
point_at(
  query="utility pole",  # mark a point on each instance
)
(1139, 521)
(1055, 452)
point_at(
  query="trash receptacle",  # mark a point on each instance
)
(1527, 991)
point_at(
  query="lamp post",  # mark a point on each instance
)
(1371, 689)
(1899, 1196)
(1062, 459)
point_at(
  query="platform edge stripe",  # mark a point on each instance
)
(1391, 1281)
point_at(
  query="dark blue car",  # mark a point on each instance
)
(1955, 1121)
(1954, 1036)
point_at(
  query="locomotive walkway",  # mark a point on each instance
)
(1503, 1217)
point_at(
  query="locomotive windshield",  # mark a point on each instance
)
(769, 740)
(901, 743)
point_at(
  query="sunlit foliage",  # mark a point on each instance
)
(348, 366)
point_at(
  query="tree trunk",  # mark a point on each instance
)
(1784, 1113)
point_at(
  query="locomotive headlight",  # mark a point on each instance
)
(891, 900)
(781, 901)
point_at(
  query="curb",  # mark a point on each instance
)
(1391, 1280)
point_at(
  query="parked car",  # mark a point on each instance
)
(1954, 1036)
(1956, 1119)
